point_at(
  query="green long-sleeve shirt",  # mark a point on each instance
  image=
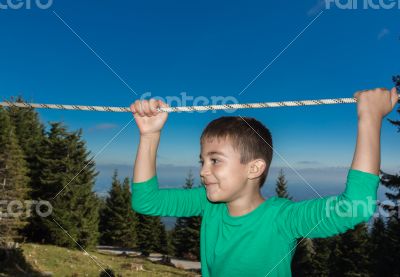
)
(262, 242)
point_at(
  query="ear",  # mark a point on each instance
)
(256, 168)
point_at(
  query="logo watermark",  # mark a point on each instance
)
(186, 100)
(361, 208)
(17, 208)
(362, 4)
(25, 4)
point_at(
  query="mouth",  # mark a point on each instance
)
(210, 184)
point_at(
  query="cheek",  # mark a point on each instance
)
(238, 177)
(227, 176)
(221, 172)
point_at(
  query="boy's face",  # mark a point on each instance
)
(221, 172)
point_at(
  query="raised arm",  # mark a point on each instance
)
(150, 123)
(372, 107)
(147, 198)
(333, 215)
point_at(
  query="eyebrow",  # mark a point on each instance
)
(212, 153)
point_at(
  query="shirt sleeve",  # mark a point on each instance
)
(148, 199)
(328, 216)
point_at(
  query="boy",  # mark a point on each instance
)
(243, 234)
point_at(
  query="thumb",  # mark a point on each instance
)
(394, 96)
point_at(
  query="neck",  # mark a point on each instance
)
(244, 205)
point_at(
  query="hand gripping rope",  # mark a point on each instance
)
(188, 108)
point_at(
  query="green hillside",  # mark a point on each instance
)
(49, 260)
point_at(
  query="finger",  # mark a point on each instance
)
(132, 107)
(153, 105)
(134, 110)
(162, 104)
(146, 108)
(139, 107)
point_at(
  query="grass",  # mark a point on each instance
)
(60, 261)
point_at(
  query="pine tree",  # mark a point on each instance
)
(148, 234)
(112, 214)
(320, 259)
(179, 238)
(118, 220)
(354, 249)
(51, 182)
(163, 241)
(393, 249)
(186, 235)
(281, 186)
(160, 244)
(302, 263)
(13, 183)
(30, 134)
(102, 208)
(393, 225)
(131, 216)
(170, 247)
(335, 264)
(194, 225)
(378, 247)
(67, 180)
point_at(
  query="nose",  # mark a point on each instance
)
(204, 171)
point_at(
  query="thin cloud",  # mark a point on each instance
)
(384, 32)
(103, 126)
(308, 162)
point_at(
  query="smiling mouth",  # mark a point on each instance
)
(211, 187)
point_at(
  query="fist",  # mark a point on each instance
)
(376, 103)
(148, 119)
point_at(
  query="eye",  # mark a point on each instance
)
(214, 160)
(201, 162)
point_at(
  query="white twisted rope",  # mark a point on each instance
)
(188, 108)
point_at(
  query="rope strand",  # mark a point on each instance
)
(187, 108)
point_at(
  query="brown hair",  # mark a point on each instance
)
(248, 136)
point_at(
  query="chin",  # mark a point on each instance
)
(214, 198)
(211, 198)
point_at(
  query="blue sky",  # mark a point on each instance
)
(205, 49)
